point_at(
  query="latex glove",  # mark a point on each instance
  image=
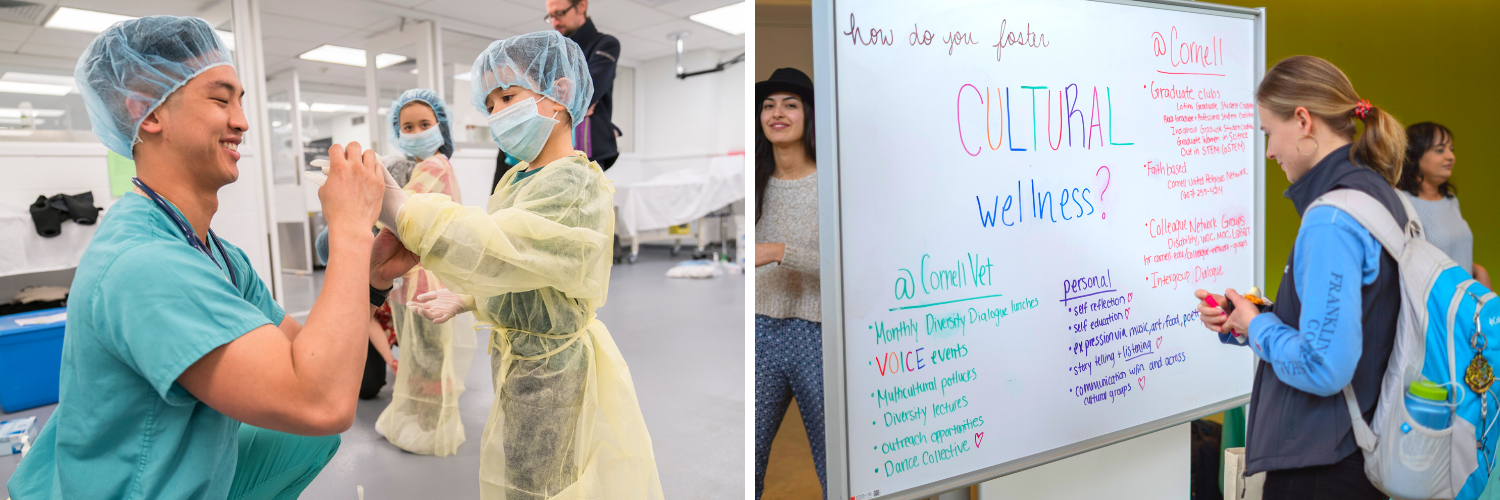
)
(319, 177)
(390, 205)
(439, 306)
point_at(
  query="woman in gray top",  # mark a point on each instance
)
(788, 303)
(1424, 182)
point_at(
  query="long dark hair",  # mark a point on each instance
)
(1420, 138)
(765, 160)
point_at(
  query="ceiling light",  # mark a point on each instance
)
(59, 80)
(414, 71)
(34, 88)
(286, 106)
(729, 19)
(94, 22)
(67, 18)
(383, 60)
(17, 121)
(16, 112)
(463, 76)
(15, 133)
(323, 107)
(347, 56)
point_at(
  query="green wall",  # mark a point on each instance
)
(1421, 61)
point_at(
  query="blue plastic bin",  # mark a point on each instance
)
(30, 361)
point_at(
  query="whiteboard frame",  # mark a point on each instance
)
(835, 406)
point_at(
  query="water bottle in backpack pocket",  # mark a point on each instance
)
(1427, 404)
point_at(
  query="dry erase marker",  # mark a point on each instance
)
(1227, 307)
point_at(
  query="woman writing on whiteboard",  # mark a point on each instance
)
(788, 301)
(1425, 182)
(1334, 322)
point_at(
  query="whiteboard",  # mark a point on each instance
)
(1017, 200)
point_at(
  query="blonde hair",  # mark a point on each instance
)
(1319, 86)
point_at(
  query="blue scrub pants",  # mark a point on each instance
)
(278, 466)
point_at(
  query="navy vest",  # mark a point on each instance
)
(1289, 428)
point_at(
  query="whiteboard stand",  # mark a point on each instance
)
(1158, 468)
(958, 494)
(1164, 438)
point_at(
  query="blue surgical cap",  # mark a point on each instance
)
(439, 109)
(133, 66)
(544, 62)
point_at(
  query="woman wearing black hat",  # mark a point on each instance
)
(788, 307)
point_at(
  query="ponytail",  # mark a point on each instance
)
(1316, 84)
(1382, 146)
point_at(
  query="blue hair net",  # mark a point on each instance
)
(544, 62)
(133, 66)
(439, 109)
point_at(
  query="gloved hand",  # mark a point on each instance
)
(390, 205)
(439, 306)
(319, 177)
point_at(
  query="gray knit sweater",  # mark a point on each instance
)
(789, 216)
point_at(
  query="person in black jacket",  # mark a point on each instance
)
(595, 136)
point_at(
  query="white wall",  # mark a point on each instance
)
(467, 124)
(732, 107)
(241, 218)
(76, 167)
(344, 132)
(700, 116)
(475, 169)
(291, 203)
(624, 112)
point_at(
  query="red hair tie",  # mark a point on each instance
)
(1362, 108)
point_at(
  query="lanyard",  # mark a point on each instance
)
(187, 230)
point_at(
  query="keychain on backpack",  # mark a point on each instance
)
(1487, 456)
(1479, 376)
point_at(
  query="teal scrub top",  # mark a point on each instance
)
(524, 174)
(144, 305)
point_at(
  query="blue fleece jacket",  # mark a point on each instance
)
(1336, 257)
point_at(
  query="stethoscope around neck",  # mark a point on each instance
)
(187, 231)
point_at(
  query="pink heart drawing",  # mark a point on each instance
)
(1158, 342)
(1142, 382)
(977, 438)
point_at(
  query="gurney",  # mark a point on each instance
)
(651, 197)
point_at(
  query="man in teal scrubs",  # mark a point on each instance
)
(172, 340)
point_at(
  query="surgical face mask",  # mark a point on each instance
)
(421, 144)
(520, 130)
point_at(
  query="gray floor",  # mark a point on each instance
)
(685, 343)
